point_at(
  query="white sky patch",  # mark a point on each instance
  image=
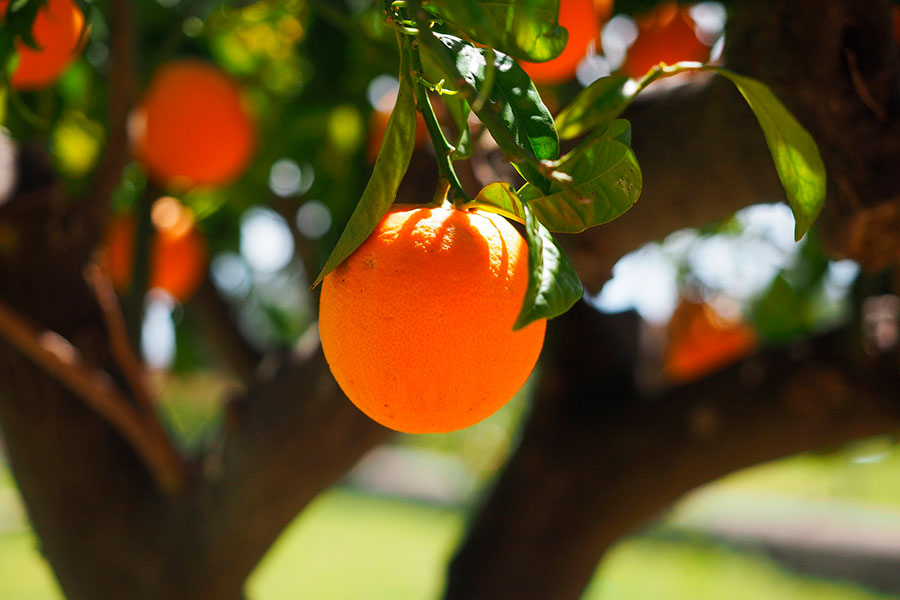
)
(158, 331)
(617, 35)
(313, 219)
(289, 178)
(739, 266)
(591, 68)
(285, 177)
(266, 241)
(231, 274)
(382, 87)
(644, 280)
(709, 18)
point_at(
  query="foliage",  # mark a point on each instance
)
(457, 62)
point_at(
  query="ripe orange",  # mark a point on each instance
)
(192, 127)
(666, 34)
(416, 325)
(57, 31)
(377, 127)
(178, 252)
(701, 342)
(582, 19)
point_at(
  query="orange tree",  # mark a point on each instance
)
(122, 509)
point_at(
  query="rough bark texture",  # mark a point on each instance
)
(90, 499)
(598, 456)
(834, 64)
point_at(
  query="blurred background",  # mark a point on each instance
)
(319, 79)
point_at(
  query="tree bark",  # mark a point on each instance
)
(599, 457)
(834, 64)
(104, 526)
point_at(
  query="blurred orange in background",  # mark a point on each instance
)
(378, 124)
(665, 34)
(57, 32)
(178, 252)
(701, 340)
(192, 126)
(583, 20)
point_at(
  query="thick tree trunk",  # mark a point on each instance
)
(597, 457)
(104, 525)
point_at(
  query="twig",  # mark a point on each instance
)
(862, 89)
(61, 360)
(443, 150)
(122, 91)
(119, 341)
(131, 365)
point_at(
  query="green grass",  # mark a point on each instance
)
(352, 546)
(24, 574)
(357, 547)
(654, 567)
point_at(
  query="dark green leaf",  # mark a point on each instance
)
(598, 103)
(606, 181)
(797, 160)
(501, 198)
(526, 29)
(513, 111)
(553, 284)
(796, 156)
(389, 169)
(17, 25)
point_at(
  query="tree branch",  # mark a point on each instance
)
(599, 458)
(285, 440)
(63, 362)
(122, 92)
(703, 155)
(117, 331)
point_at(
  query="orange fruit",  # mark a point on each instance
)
(666, 34)
(178, 252)
(378, 125)
(417, 324)
(192, 126)
(582, 19)
(57, 31)
(701, 341)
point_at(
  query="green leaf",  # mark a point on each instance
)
(389, 169)
(606, 181)
(514, 112)
(500, 198)
(17, 24)
(598, 103)
(456, 105)
(796, 156)
(525, 29)
(797, 160)
(553, 284)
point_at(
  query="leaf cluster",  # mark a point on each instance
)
(471, 47)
